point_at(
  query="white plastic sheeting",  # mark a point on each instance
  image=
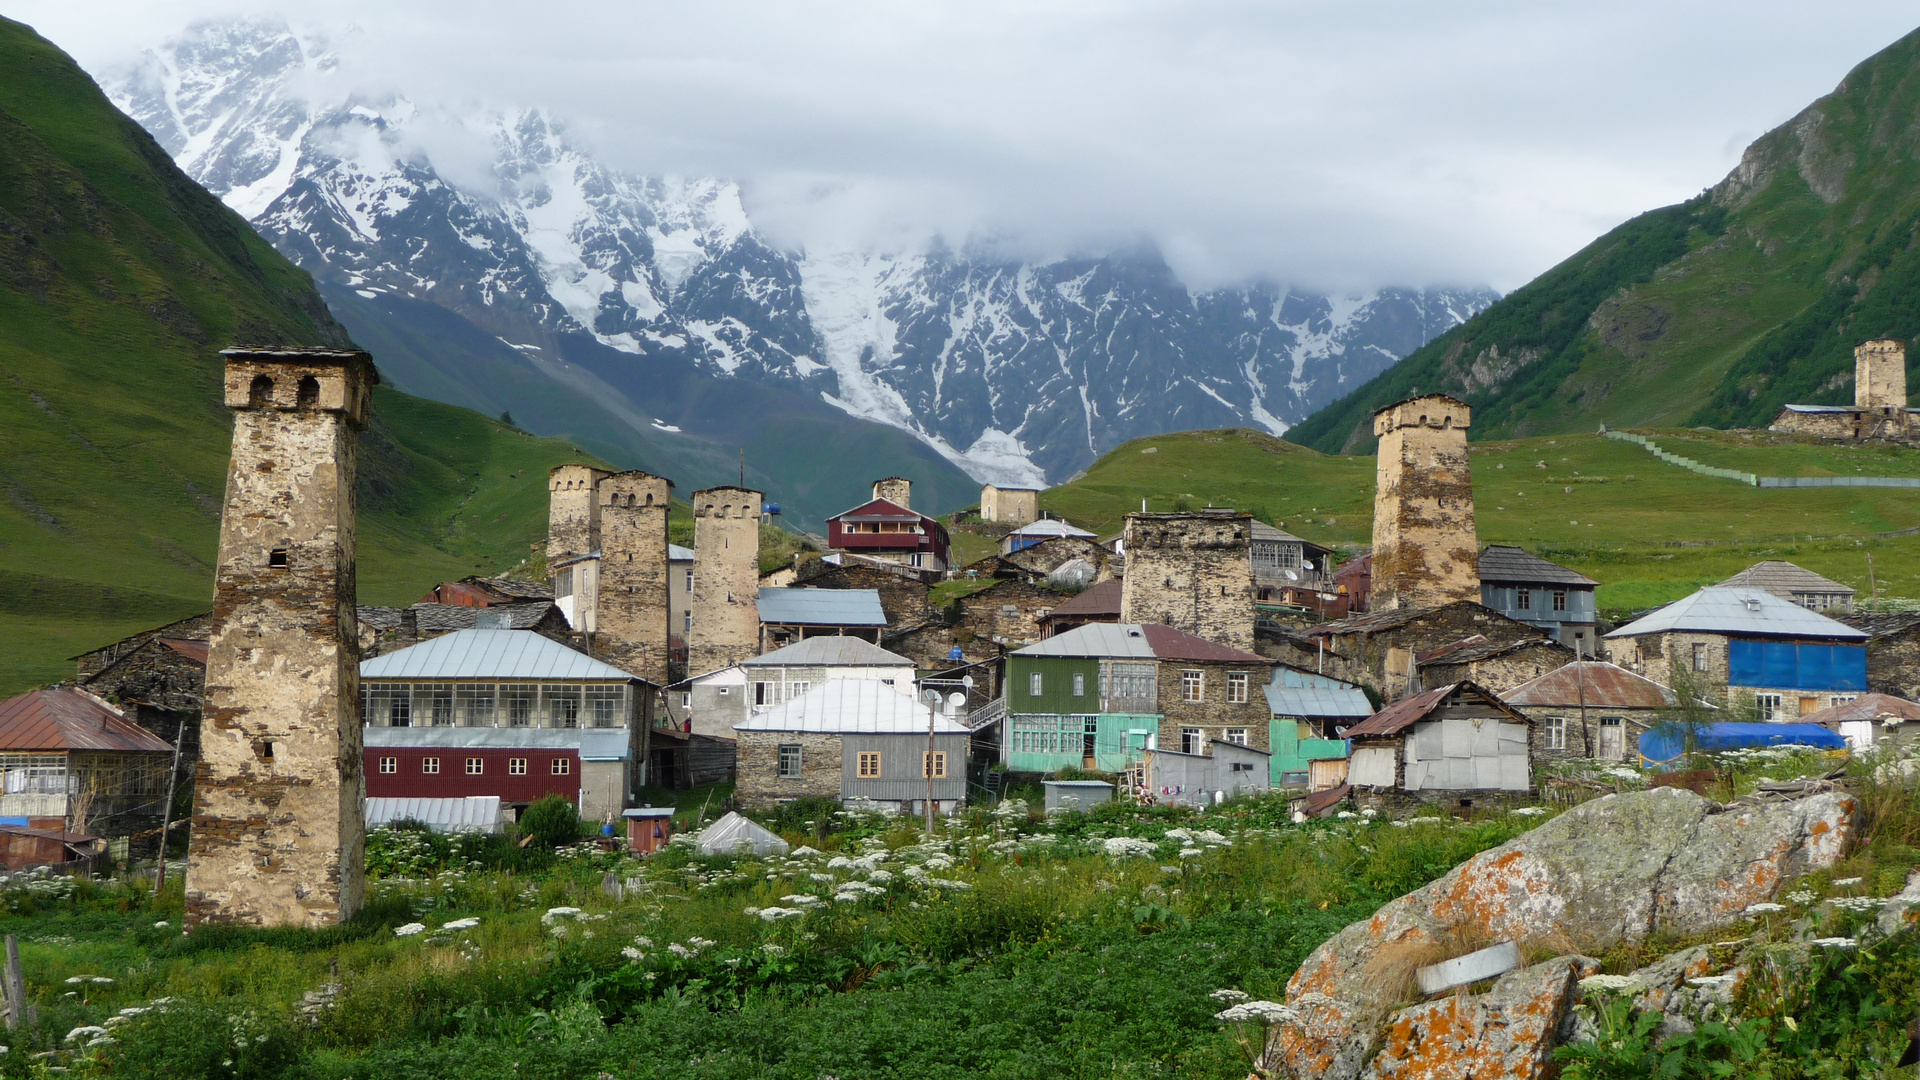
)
(735, 835)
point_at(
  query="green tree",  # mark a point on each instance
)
(551, 822)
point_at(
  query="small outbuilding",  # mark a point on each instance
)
(1868, 719)
(1174, 778)
(1076, 794)
(475, 813)
(1591, 709)
(1451, 741)
(649, 828)
(735, 834)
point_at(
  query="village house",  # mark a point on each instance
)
(790, 615)
(1288, 570)
(1591, 709)
(854, 739)
(1794, 584)
(507, 713)
(1097, 696)
(1528, 588)
(1009, 505)
(1227, 770)
(73, 764)
(1870, 719)
(714, 703)
(1040, 532)
(1379, 649)
(884, 527)
(1448, 745)
(1098, 604)
(1790, 661)
(1879, 409)
(1044, 559)
(1310, 714)
(1893, 650)
(903, 595)
(1494, 665)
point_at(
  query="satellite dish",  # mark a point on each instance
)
(933, 695)
(957, 700)
(966, 681)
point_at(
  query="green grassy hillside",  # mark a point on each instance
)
(1716, 311)
(119, 281)
(1649, 531)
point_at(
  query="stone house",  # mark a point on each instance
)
(979, 627)
(1379, 649)
(1192, 571)
(714, 703)
(1879, 409)
(1893, 650)
(74, 763)
(1794, 584)
(1098, 604)
(1591, 709)
(1869, 719)
(1043, 559)
(790, 615)
(1748, 643)
(158, 685)
(853, 739)
(1009, 505)
(1449, 745)
(1495, 665)
(903, 595)
(1287, 568)
(1526, 587)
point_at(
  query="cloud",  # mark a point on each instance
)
(1329, 145)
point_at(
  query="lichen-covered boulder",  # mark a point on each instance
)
(1611, 869)
(1507, 1032)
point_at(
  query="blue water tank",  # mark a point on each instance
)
(772, 508)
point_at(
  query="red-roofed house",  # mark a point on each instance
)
(1444, 745)
(882, 529)
(1591, 709)
(73, 763)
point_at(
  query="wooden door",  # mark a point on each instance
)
(1613, 741)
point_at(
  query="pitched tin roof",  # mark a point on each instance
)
(858, 706)
(676, 553)
(1598, 684)
(1097, 600)
(491, 654)
(1717, 610)
(63, 718)
(1349, 703)
(822, 607)
(830, 651)
(1049, 527)
(1503, 562)
(1142, 641)
(1407, 712)
(878, 510)
(1865, 707)
(1783, 579)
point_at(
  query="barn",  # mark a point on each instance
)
(1441, 746)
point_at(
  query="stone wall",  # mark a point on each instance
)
(726, 578)
(633, 603)
(1193, 572)
(903, 598)
(1824, 425)
(1213, 714)
(1425, 546)
(1880, 375)
(573, 511)
(1361, 656)
(1893, 664)
(1503, 672)
(278, 833)
(897, 490)
(1657, 656)
(758, 767)
(1009, 506)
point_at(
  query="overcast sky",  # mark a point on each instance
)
(1330, 144)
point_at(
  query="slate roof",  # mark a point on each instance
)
(1865, 707)
(1783, 579)
(63, 718)
(1600, 685)
(491, 654)
(1407, 712)
(1137, 641)
(1474, 649)
(1716, 610)
(1503, 562)
(515, 588)
(446, 618)
(1097, 600)
(852, 706)
(830, 651)
(1879, 624)
(822, 607)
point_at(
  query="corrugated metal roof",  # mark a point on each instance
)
(63, 718)
(1050, 528)
(822, 607)
(1137, 641)
(830, 651)
(1784, 579)
(1097, 600)
(1716, 610)
(1406, 712)
(877, 510)
(1598, 684)
(491, 654)
(1865, 707)
(1831, 409)
(852, 706)
(475, 813)
(676, 553)
(1504, 562)
(1313, 701)
(1171, 644)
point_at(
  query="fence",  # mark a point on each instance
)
(1753, 480)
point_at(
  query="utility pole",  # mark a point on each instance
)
(933, 711)
(166, 811)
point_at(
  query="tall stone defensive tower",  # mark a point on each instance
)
(897, 490)
(1425, 547)
(1880, 375)
(633, 609)
(573, 543)
(1192, 571)
(726, 579)
(278, 830)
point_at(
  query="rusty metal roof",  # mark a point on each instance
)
(195, 651)
(63, 718)
(1597, 684)
(1865, 707)
(1406, 712)
(1143, 641)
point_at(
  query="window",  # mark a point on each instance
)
(476, 766)
(561, 766)
(1193, 686)
(1079, 684)
(1841, 699)
(1192, 741)
(1237, 688)
(1129, 688)
(307, 392)
(517, 702)
(1035, 684)
(1559, 600)
(686, 699)
(689, 583)
(563, 583)
(606, 706)
(1556, 733)
(1699, 656)
(517, 766)
(1767, 706)
(277, 558)
(686, 622)
(473, 705)
(430, 766)
(794, 690)
(933, 764)
(1525, 599)
(390, 705)
(563, 705)
(868, 765)
(434, 703)
(789, 761)
(1237, 736)
(389, 766)
(763, 693)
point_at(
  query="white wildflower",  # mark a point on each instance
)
(1346, 815)
(135, 1010)
(1531, 811)
(805, 852)
(775, 914)
(802, 900)
(1230, 997)
(409, 930)
(682, 951)
(1191, 852)
(462, 924)
(1764, 909)
(1846, 882)
(90, 1031)
(1834, 943)
(750, 912)
(554, 915)
(880, 876)
(1121, 847)
(1264, 1012)
(773, 950)
(162, 924)
(646, 942)
(1801, 896)
(821, 877)
(104, 1040)
(1368, 811)
(632, 953)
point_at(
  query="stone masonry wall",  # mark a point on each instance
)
(726, 579)
(633, 607)
(758, 767)
(1880, 375)
(1015, 506)
(1425, 546)
(1893, 664)
(278, 833)
(897, 490)
(1193, 572)
(573, 511)
(1213, 714)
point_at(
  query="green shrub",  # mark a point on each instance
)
(551, 822)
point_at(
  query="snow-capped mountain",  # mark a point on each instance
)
(1016, 372)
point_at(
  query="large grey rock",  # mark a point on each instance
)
(1507, 1032)
(1611, 869)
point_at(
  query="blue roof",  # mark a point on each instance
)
(491, 654)
(1662, 745)
(1304, 701)
(822, 607)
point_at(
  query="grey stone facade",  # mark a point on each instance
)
(1191, 571)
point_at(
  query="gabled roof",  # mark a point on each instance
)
(1716, 610)
(1142, 641)
(1866, 707)
(1342, 702)
(822, 607)
(514, 588)
(1472, 650)
(877, 510)
(592, 744)
(1597, 684)
(1505, 563)
(1783, 579)
(853, 706)
(835, 650)
(676, 553)
(1049, 527)
(63, 718)
(446, 618)
(1879, 624)
(491, 654)
(1407, 712)
(1098, 600)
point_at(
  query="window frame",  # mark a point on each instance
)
(1238, 684)
(1193, 740)
(1770, 706)
(430, 766)
(1193, 685)
(1556, 738)
(1559, 599)
(1699, 656)
(781, 752)
(389, 766)
(1523, 599)
(560, 766)
(937, 759)
(1036, 684)
(1238, 736)
(866, 765)
(476, 766)
(1079, 684)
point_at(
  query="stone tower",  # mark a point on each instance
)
(1880, 375)
(1192, 571)
(897, 490)
(633, 616)
(726, 579)
(278, 830)
(573, 543)
(1425, 548)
